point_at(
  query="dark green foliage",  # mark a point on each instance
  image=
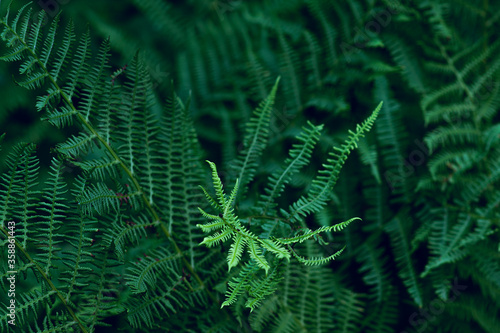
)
(107, 200)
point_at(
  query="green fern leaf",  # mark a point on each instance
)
(234, 255)
(245, 166)
(326, 178)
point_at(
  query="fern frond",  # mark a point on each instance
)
(58, 324)
(271, 245)
(77, 145)
(326, 178)
(53, 209)
(98, 199)
(308, 234)
(488, 267)
(349, 311)
(289, 64)
(143, 275)
(456, 135)
(17, 194)
(260, 317)
(398, 232)
(437, 13)
(446, 240)
(127, 229)
(384, 317)
(53, 213)
(483, 182)
(392, 138)
(236, 250)
(161, 301)
(212, 201)
(317, 261)
(330, 34)
(100, 169)
(474, 308)
(28, 302)
(404, 57)
(284, 323)
(81, 230)
(256, 254)
(299, 156)
(459, 160)
(118, 123)
(260, 288)
(245, 166)
(374, 269)
(240, 284)
(217, 224)
(219, 190)
(368, 156)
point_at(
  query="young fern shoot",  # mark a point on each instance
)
(227, 225)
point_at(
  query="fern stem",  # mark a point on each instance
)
(49, 282)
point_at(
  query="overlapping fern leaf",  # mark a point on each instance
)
(227, 225)
(464, 163)
(52, 234)
(117, 241)
(137, 181)
(461, 113)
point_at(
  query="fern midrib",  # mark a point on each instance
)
(89, 127)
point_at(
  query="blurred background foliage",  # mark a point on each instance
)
(425, 181)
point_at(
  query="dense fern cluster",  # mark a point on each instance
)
(113, 229)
